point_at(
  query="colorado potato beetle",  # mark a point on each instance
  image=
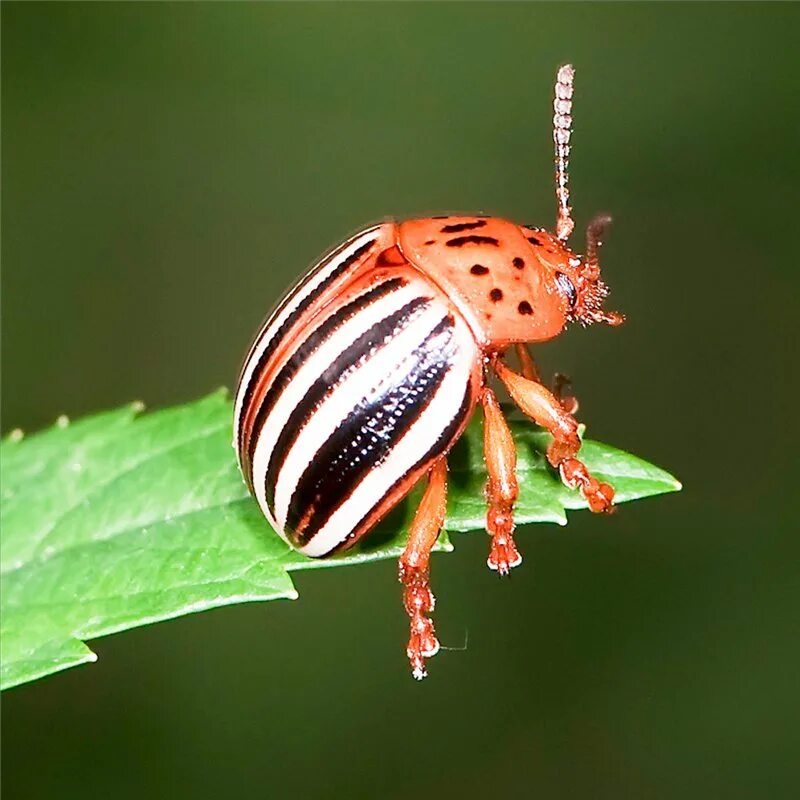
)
(366, 374)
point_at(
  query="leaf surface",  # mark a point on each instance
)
(123, 518)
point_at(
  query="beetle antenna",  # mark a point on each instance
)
(562, 130)
(595, 232)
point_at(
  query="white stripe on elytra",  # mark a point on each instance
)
(366, 379)
(296, 297)
(310, 371)
(417, 440)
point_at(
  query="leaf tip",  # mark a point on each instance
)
(671, 483)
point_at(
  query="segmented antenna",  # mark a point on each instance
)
(594, 241)
(562, 130)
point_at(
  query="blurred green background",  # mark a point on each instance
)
(169, 168)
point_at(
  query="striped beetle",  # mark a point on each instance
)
(368, 371)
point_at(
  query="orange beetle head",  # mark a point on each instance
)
(576, 279)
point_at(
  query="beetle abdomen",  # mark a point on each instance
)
(356, 405)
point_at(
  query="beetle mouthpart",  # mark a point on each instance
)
(612, 318)
(592, 292)
(591, 316)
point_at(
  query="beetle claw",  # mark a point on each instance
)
(504, 554)
(419, 601)
(599, 496)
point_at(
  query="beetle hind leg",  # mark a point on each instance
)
(414, 569)
(501, 488)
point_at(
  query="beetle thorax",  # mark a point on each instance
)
(491, 272)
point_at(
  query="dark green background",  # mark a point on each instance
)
(168, 169)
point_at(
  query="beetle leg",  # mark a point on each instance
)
(526, 363)
(568, 401)
(531, 372)
(543, 407)
(501, 489)
(414, 569)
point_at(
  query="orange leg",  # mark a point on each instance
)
(501, 488)
(568, 401)
(526, 363)
(531, 372)
(414, 569)
(544, 408)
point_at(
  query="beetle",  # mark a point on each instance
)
(363, 378)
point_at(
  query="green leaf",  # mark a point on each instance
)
(122, 519)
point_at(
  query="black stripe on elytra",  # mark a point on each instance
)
(294, 316)
(288, 295)
(460, 241)
(443, 441)
(457, 227)
(366, 437)
(372, 340)
(309, 346)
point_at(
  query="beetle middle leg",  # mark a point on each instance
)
(545, 409)
(501, 489)
(414, 569)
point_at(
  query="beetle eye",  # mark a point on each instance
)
(566, 288)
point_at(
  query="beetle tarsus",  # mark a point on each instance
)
(413, 571)
(503, 555)
(419, 602)
(599, 496)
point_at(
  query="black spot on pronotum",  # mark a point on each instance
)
(533, 240)
(524, 308)
(460, 241)
(496, 295)
(431, 241)
(463, 226)
(479, 269)
(518, 262)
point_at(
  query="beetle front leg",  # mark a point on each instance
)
(568, 401)
(415, 565)
(526, 363)
(500, 454)
(531, 372)
(545, 409)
